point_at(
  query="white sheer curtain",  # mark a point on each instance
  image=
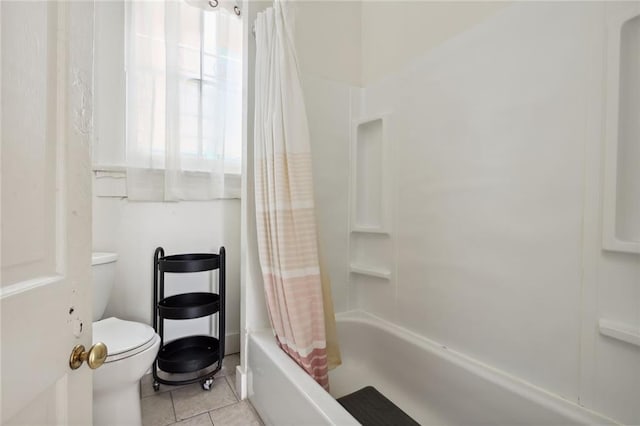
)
(184, 101)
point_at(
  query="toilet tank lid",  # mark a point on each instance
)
(98, 258)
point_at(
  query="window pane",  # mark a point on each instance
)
(190, 97)
(208, 52)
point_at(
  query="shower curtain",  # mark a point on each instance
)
(298, 293)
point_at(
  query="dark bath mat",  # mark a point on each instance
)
(371, 408)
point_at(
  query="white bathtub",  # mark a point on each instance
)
(432, 384)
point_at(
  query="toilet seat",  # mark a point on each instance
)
(124, 339)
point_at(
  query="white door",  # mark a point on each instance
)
(45, 294)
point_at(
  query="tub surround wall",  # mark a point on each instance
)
(498, 140)
(496, 126)
(328, 105)
(488, 135)
(334, 62)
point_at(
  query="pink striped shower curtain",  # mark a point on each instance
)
(285, 214)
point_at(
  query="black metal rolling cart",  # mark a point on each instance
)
(190, 354)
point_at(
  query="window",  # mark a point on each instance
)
(184, 90)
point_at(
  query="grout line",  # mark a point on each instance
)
(255, 412)
(232, 392)
(232, 386)
(173, 406)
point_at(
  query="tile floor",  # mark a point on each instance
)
(191, 406)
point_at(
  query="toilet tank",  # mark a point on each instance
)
(103, 272)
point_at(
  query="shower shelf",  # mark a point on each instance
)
(369, 230)
(369, 271)
(201, 356)
(619, 331)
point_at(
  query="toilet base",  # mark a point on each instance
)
(120, 408)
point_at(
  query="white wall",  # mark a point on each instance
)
(497, 137)
(329, 58)
(328, 40)
(110, 84)
(135, 229)
(396, 32)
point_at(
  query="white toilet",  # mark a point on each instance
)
(131, 347)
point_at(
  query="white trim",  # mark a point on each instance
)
(241, 382)
(109, 168)
(110, 182)
(98, 258)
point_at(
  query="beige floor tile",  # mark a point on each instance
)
(146, 386)
(231, 379)
(240, 414)
(199, 420)
(191, 400)
(157, 410)
(146, 383)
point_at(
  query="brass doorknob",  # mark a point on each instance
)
(95, 356)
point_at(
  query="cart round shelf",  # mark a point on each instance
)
(200, 354)
(196, 262)
(189, 305)
(188, 354)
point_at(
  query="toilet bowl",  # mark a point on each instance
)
(132, 348)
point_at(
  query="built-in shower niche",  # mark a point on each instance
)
(371, 246)
(369, 176)
(371, 255)
(621, 225)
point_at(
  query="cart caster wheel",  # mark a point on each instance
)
(206, 383)
(156, 386)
